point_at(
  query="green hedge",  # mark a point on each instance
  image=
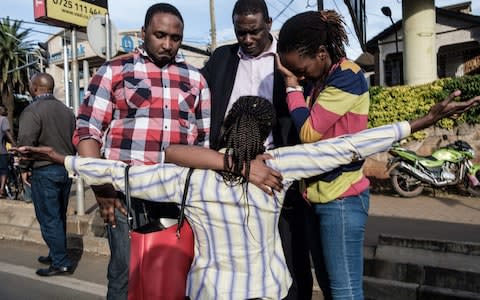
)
(398, 103)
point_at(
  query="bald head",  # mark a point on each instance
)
(41, 83)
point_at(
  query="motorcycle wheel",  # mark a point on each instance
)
(405, 184)
(474, 190)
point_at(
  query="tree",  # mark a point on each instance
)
(13, 51)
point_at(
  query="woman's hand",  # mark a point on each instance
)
(39, 153)
(290, 79)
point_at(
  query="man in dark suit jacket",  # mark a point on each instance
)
(249, 68)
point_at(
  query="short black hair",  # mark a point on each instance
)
(161, 8)
(251, 7)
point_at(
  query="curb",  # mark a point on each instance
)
(85, 233)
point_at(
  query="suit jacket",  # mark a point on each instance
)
(220, 72)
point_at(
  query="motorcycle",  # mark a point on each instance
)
(447, 166)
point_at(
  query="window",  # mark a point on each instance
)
(394, 69)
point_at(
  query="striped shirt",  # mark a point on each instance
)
(145, 108)
(341, 107)
(238, 251)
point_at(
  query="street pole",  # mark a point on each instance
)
(320, 5)
(388, 13)
(76, 104)
(108, 38)
(66, 79)
(213, 27)
(80, 191)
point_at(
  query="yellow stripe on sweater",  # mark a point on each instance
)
(322, 192)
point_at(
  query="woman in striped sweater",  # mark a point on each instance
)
(311, 48)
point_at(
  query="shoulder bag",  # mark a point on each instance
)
(160, 258)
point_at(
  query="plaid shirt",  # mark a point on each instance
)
(136, 109)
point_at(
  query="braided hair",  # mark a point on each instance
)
(246, 128)
(307, 31)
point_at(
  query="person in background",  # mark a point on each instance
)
(48, 122)
(248, 67)
(311, 46)
(5, 136)
(238, 252)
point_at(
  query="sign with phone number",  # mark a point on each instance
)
(68, 12)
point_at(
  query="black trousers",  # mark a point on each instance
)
(295, 244)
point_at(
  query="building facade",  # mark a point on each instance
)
(456, 45)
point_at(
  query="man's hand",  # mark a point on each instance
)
(264, 177)
(444, 109)
(108, 201)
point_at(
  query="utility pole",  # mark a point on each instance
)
(213, 29)
(320, 5)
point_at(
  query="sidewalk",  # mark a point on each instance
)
(441, 207)
(85, 233)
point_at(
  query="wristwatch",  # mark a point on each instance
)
(297, 88)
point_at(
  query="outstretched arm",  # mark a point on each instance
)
(324, 156)
(444, 109)
(261, 175)
(198, 157)
(307, 160)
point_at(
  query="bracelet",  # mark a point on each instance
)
(297, 88)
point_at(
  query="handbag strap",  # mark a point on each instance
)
(181, 216)
(128, 199)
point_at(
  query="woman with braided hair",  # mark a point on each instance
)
(247, 125)
(238, 251)
(311, 47)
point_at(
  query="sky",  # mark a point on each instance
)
(128, 15)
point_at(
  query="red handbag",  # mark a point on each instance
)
(160, 258)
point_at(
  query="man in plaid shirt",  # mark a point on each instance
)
(136, 105)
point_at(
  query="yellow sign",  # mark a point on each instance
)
(75, 12)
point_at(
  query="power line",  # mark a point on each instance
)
(28, 22)
(289, 7)
(283, 10)
(279, 19)
(346, 24)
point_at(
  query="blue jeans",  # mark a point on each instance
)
(50, 193)
(119, 242)
(337, 236)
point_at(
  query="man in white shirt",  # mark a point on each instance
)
(248, 67)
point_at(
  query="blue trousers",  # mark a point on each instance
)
(50, 193)
(337, 231)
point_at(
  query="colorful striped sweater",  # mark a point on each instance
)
(340, 108)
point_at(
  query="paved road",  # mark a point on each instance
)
(18, 279)
(442, 216)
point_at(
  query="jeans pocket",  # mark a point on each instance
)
(365, 200)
